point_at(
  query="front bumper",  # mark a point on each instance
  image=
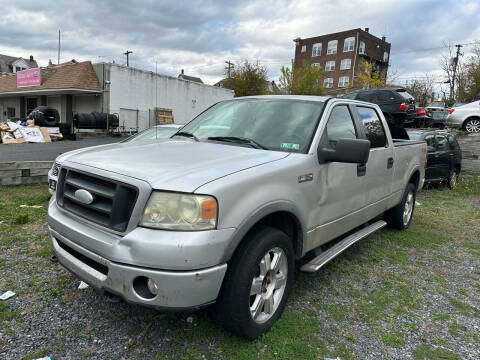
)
(177, 290)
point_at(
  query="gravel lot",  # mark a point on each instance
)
(395, 295)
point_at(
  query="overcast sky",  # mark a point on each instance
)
(200, 35)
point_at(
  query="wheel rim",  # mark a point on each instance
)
(453, 179)
(473, 126)
(268, 285)
(408, 209)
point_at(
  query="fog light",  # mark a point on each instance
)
(152, 287)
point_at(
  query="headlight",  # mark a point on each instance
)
(174, 211)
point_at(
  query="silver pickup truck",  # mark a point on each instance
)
(219, 213)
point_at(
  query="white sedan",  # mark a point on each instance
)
(466, 117)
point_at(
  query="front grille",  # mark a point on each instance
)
(55, 169)
(112, 203)
(86, 260)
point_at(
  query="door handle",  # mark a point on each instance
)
(361, 169)
(390, 163)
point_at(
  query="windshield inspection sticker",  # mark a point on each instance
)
(290, 146)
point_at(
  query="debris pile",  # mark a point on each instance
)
(26, 132)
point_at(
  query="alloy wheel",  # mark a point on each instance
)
(268, 285)
(408, 209)
(473, 126)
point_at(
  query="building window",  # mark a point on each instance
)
(361, 48)
(345, 64)
(330, 66)
(385, 56)
(304, 48)
(328, 83)
(332, 47)
(315, 65)
(343, 81)
(10, 113)
(317, 49)
(349, 44)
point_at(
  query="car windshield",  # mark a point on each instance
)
(157, 132)
(405, 94)
(285, 125)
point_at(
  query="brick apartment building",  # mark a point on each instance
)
(339, 54)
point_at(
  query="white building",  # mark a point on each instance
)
(134, 94)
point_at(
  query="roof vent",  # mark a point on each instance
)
(367, 29)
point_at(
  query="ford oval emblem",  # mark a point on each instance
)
(83, 196)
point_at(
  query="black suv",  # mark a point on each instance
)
(397, 104)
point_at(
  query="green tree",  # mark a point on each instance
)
(249, 79)
(306, 80)
(368, 77)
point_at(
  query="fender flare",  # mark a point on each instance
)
(269, 208)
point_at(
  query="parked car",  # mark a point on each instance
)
(444, 161)
(437, 110)
(396, 103)
(421, 118)
(220, 212)
(465, 117)
(156, 132)
(457, 104)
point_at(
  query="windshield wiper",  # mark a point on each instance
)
(186, 134)
(235, 139)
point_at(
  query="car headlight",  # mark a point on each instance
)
(173, 211)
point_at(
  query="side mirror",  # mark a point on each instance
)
(346, 151)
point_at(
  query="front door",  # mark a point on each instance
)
(340, 187)
(431, 171)
(31, 104)
(443, 152)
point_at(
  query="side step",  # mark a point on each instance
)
(343, 245)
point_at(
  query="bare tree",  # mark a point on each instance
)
(422, 89)
(446, 63)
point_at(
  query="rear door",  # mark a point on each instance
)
(380, 165)
(431, 172)
(443, 155)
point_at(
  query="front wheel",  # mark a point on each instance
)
(400, 216)
(257, 284)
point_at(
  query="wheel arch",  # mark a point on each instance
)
(282, 215)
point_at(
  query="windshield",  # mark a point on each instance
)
(157, 132)
(414, 135)
(285, 125)
(437, 104)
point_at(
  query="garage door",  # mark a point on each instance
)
(128, 120)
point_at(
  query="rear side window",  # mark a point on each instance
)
(404, 94)
(373, 127)
(340, 126)
(383, 97)
(430, 140)
(364, 96)
(442, 143)
(350, 96)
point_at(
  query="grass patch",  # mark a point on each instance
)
(21, 219)
(427, 352)
(393, 338)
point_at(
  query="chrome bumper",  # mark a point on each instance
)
(177, 290)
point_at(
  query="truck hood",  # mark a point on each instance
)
(174, 165)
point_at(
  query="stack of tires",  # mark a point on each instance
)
(95, 120)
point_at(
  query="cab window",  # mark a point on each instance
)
(340, 126)
(430, 140)
(442, 144)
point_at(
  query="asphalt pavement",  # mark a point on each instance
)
(49, 151)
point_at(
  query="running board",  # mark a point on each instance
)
(343, 245)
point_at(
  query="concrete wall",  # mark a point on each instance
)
(24, 172)
(86, 103)
(134, 89)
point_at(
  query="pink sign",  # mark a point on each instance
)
(29, 77)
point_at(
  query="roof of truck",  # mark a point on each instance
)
(287, 97)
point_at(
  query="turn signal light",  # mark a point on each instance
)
(209, 209)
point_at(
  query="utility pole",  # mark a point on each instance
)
(455, 64)
(128, 52)
(58, 58)
(229, 68)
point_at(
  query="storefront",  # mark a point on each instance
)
(69, 88)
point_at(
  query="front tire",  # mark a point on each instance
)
(257, 284)
(400, 216)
